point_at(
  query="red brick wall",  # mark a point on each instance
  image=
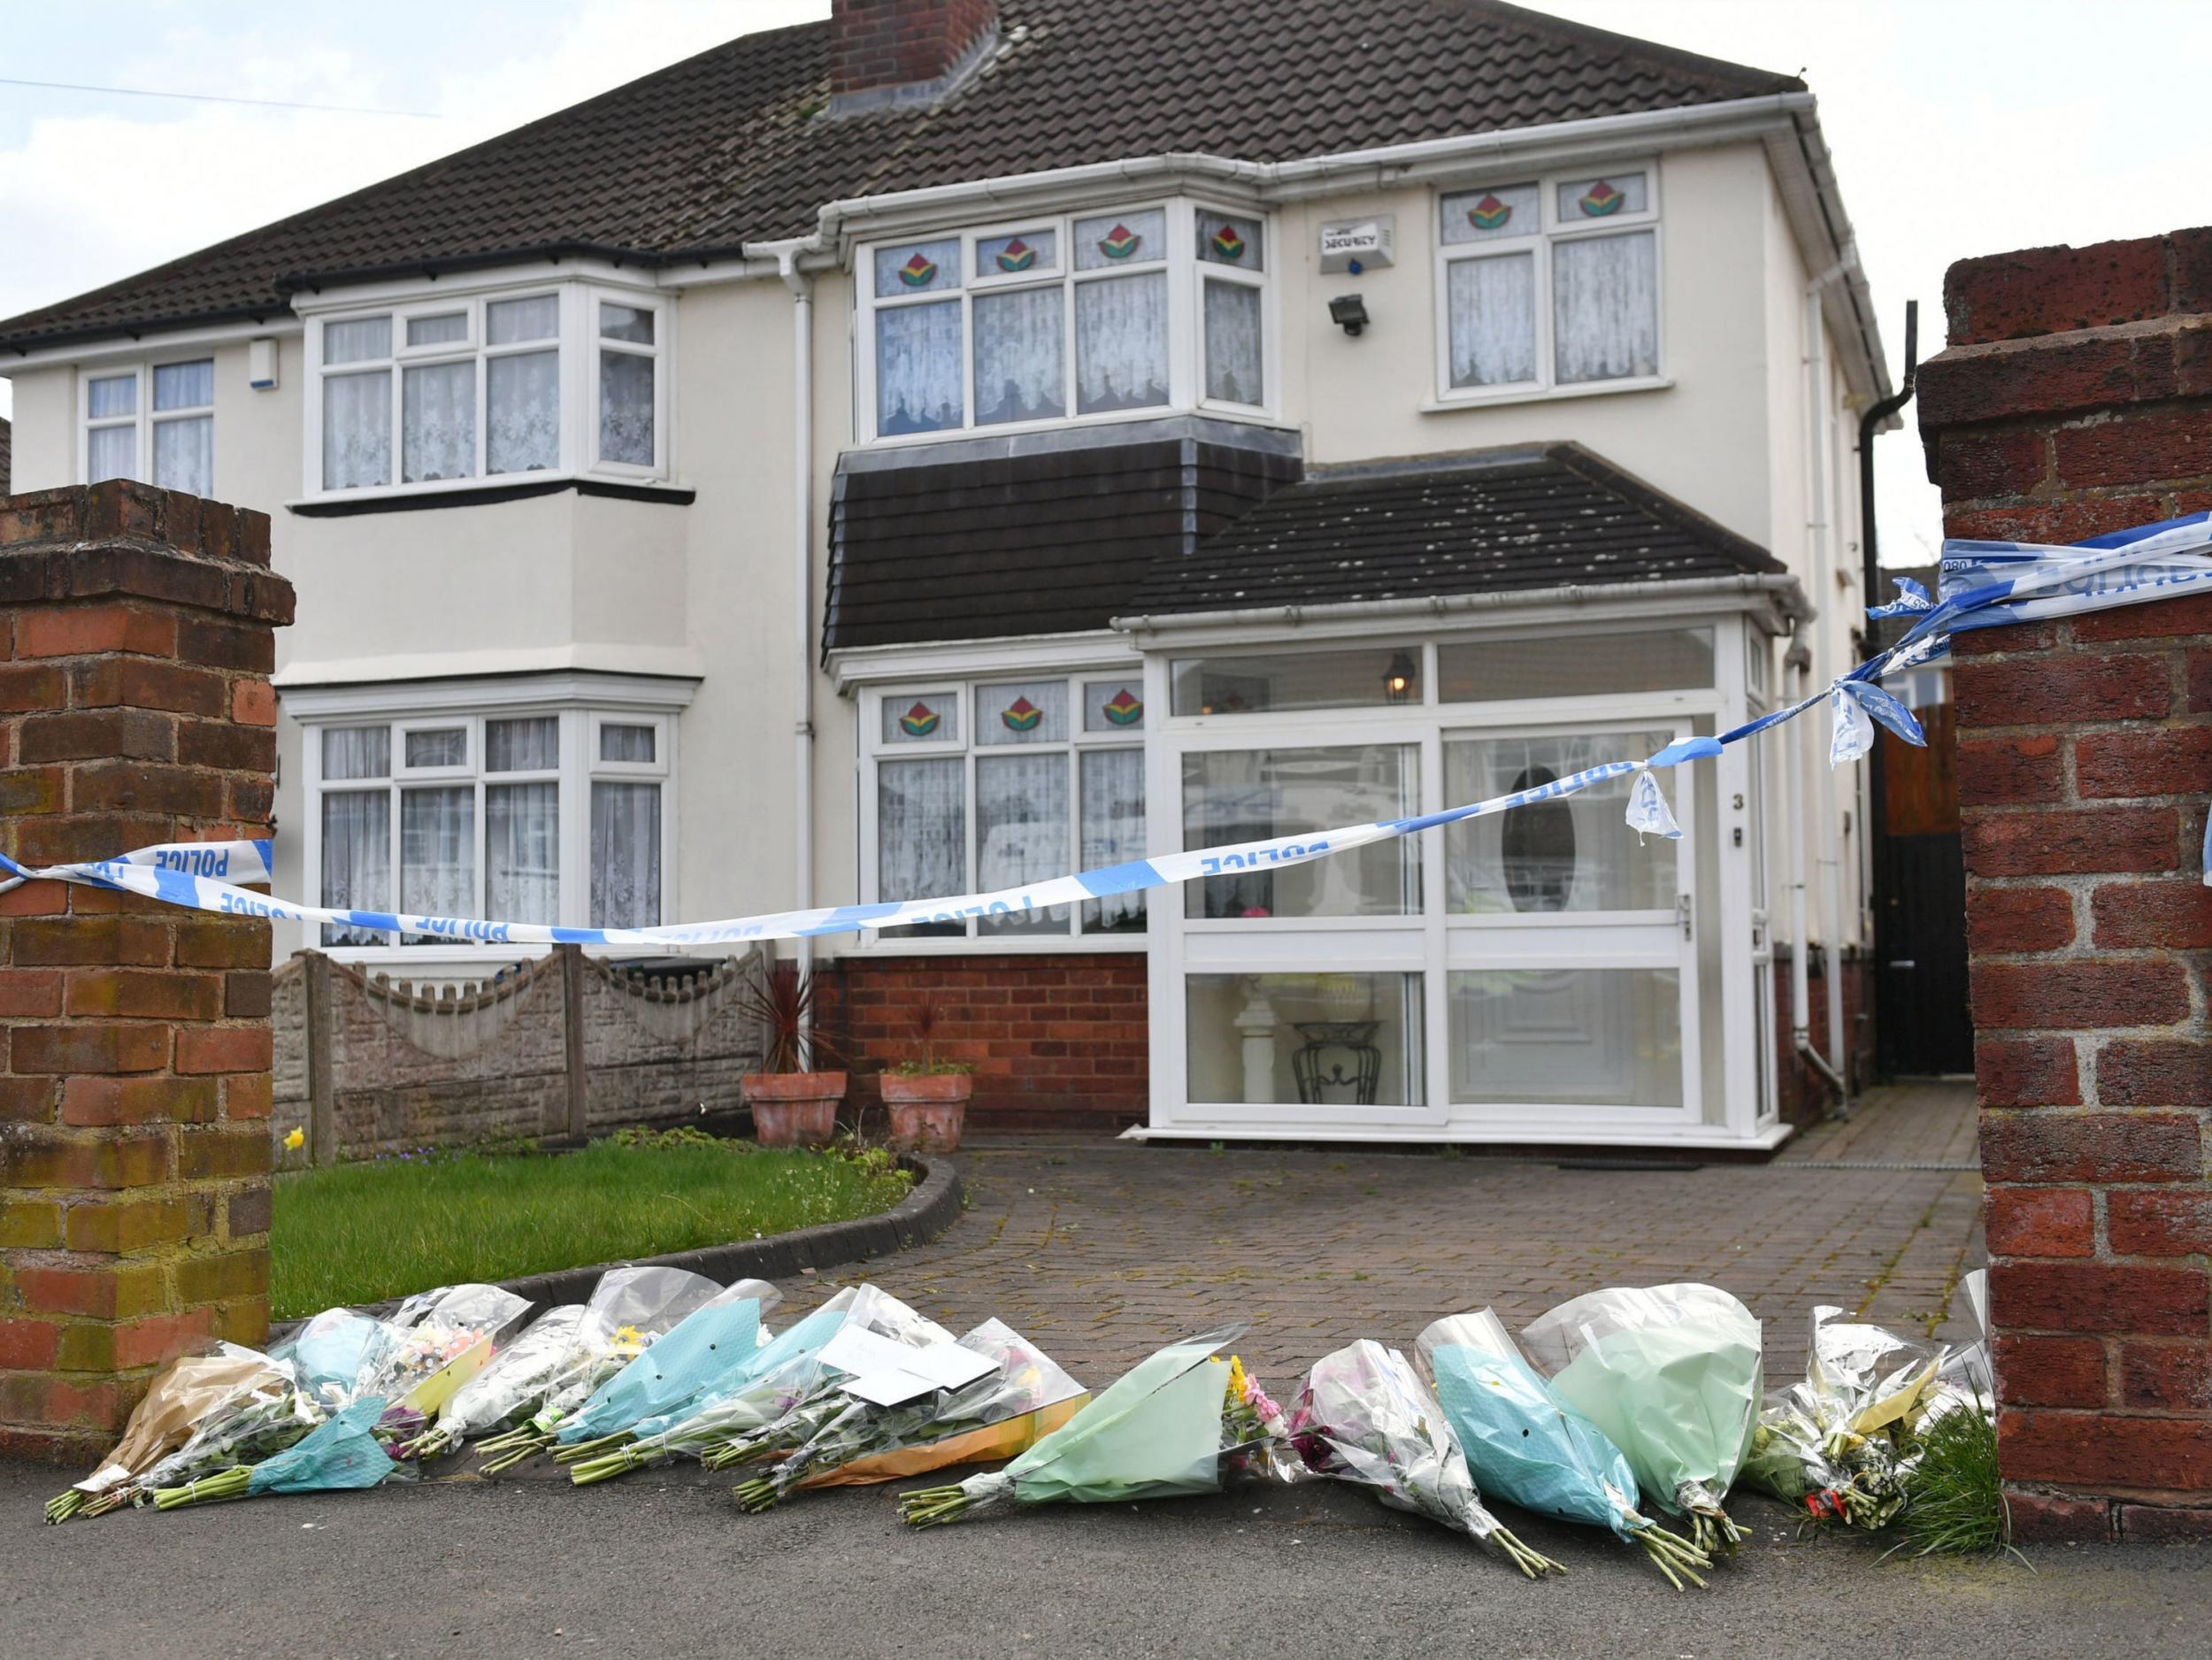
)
(1803, 1095)
(2075, 397)
(877, 44)
(1057, 1042)
(136, 643)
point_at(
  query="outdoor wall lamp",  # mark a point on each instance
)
(1348, 311)
(1399, 677)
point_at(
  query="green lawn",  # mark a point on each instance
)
(362, 1233)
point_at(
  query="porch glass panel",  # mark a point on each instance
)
(1274, 683)
(1576, 665)
(1318, 1039)
(1574, 853)
(1232, 796)
(1566, 1036)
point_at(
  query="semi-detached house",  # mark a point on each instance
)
(960, 442)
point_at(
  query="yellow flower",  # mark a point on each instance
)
(296, 1139)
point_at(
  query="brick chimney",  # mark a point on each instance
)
(904, 51)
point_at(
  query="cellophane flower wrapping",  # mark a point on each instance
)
(1522, 1442)
(1840, 1441)
(258, 1421)
(786, 1383)
(720, 1334)
(329, 1354)
(1363, 1417)
(1156, 1431)
(998, 1415)
(435, 1342)
(191, 1391)
(514, 1384)
(1671, 1375)
(341, 1453)
(629, 1312)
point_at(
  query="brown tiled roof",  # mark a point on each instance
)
(1541, 517)
(732, 146)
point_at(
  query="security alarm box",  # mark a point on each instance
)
(1351, 246)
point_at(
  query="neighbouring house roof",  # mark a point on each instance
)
(1546, 516)
(734, 146)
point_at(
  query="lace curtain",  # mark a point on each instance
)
(184, 454)
(357, 430)
(1021, 834)
(437, 855)
(522, 851)
(1121, 342)
(626, 856)
(1018, 375)
(922, 832)
(1605, 308)
(1233, 343)
(1112, 832)
(917, 368)
(438, 422)
(1492, 306)
(522, 420)
(625, 408)
(111, 452)
(356, 856)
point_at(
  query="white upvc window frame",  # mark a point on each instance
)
(576, 340)
(961, 691)
(144, 417)
(580, 712)
(1186, 275)
(1540, 244)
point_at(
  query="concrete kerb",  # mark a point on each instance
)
(916, 1219)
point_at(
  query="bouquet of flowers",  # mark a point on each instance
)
(720, 1334)
(629, 1310)
(1169, 1426)
(1671, 1375)
(791, 1375)
(521, 1377)
(1023, 1398)
(329, 1354)
(258, 1421)
(1363, 1417)
(1526, 1444)
(1841, 1441)
(341, 1452)
(436, 1342)
(190, 1391)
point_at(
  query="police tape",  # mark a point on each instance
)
(1983, 584)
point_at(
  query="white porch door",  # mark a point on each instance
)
(1569, 991)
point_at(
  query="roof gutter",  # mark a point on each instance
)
(1787, 595)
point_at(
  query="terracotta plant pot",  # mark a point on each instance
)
(928, 1110)
(794, 1109)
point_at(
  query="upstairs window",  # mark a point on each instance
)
(442, 393)
(155, 423)
(1066, 318)
(1548, 284)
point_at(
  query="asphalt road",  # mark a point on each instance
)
(667, 1566)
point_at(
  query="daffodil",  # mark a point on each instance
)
(295, 1140)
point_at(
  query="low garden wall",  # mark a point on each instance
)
(560, 1046)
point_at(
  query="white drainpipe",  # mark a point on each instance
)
(1800, 746)
(1819, 533)
(802, 286)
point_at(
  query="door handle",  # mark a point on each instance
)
(1682, 911)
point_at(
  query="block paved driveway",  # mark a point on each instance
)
(1102, 1250)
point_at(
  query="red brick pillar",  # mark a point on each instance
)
(137, 637)
(2075, 397)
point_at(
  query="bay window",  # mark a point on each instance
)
(974, 788)
(553, 816)
(440, 393)
(1060, 318)
(1548, 284)
(153, 422)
